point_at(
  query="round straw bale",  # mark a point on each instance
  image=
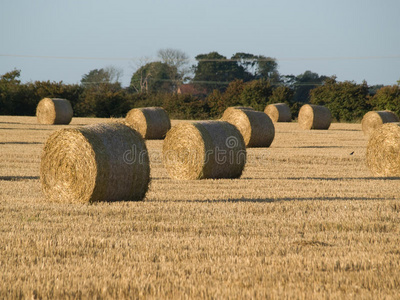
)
(256, 127)
(278, 112)
(100, 162)
(383, 150)
(314, 117)
(150, 122)
(54, 111)
(374, 119)
(204, 149)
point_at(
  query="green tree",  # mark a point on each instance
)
(218, 101)
(215, 71)
(97, 77)
(10, 87)
(303, 84)
(387, 98)
(347, 100)
(257, 66)
(256, 94)
(153, 77)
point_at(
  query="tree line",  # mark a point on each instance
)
(243, 79)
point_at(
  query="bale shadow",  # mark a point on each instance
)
(270, 200)
(317, 147)
(20, 143)
(18, 178)
(23, 128)
(342, 178)
(12, 123)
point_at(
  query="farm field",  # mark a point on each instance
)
(306, 220)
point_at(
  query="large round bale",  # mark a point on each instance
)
(150, 122)
(54, 111)
(256, 127)
(204, 149)
(383, 150)
(314, 117)
(374, 119)
(278, 112)
(100, 162)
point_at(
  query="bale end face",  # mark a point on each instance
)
(383, 151)
(101, 162)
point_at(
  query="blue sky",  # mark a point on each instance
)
(62, 40)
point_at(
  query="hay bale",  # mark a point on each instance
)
(204, 149)
(150, 122)
(383, 150)
(54, 111)
(256, 127)
(374, 119)
(100, 162)
(278, 112)
(314, 117)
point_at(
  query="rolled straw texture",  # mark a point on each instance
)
(101, 162)
(150, 122)
(53, 111)
(383, 150)
(314, 117)
(256, 127)
(374, 119)
(278, 112)
(204, 149)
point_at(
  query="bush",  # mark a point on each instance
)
(388, 97)
(346, 100)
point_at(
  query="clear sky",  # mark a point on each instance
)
(63, 39)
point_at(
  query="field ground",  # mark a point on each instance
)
(306, 220)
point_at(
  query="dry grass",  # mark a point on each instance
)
(307, 220)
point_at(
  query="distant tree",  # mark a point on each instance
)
(218, 101)
(346, 100)
(303, 84)
(96, 77)
(256, 94)
(257, 66)
(215, 71)
(267, 68)
(388, 97)
(373, 89)
(178, 61)
(153, 77)
(9, 92)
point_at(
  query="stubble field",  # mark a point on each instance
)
(306, 220)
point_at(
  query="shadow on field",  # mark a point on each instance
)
(342, 178)
(270, 200)
(11, 123)
(18, 178)
(24, 128)
(318, 147)
(20, 143)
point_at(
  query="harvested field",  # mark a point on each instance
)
(306, 220)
